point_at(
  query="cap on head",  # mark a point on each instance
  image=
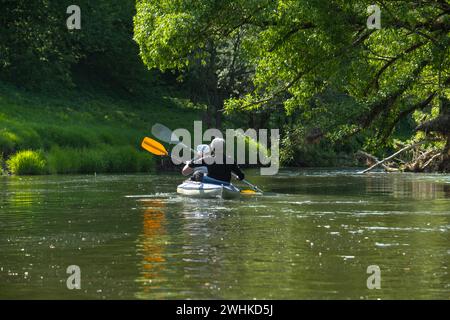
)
(217, 145)
(203, 149)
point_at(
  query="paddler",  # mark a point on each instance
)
(219, 171)
(202, 150)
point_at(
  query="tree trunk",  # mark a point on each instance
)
(444, 166)
(215, 101)
(441, 126)
(445, 110)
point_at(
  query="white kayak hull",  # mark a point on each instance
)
(195, 189)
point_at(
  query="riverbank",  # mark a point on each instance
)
(83, 131)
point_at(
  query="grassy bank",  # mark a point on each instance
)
(83, 131)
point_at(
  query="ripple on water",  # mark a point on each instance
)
(155, 195)
(409, 229)
(385, 245)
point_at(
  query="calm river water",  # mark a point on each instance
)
(312, 236)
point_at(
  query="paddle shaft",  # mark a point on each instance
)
(247, 183)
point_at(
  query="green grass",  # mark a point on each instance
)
(2, 164)
(105, 159)
(27, 163)
(86, 131)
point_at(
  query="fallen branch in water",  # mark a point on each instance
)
(394, 155)
(374, 159)
(431, 160)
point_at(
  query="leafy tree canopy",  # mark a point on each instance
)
(317, 57)
(37, 49)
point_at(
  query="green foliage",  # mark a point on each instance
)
(251, 146)
(105, 159)
(16, 136)
(38, 51)
(27, 163)
(69, 136)
(296, 151)
(31, 45)
(171, 33)
(316, 58)
(8, 141)
(1, 164)
(86, 133)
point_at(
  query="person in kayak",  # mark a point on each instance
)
(216, 163)
(202, 150)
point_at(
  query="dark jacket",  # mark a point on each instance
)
(220, 171)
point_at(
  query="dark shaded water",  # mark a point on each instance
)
(312, 236)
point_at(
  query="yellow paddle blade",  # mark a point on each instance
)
(248, 191)
(154, 147)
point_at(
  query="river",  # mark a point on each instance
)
(313, 235)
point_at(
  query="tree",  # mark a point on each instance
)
(169, 39)
(31, 43)
(37, 49)
(315, 56)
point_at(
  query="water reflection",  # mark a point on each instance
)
(20, 195)
(399, 187)
(19, 200)
(200, 259)
(151, 246)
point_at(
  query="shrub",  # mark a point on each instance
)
(27, 163)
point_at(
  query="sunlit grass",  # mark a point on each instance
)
(84, 132)
(27, 162)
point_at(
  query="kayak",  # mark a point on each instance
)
(196, 189)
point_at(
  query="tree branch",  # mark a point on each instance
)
(394, 155)
(303, 26)
(300, 74)
(387, 102)
(376, 80)
(418, 106)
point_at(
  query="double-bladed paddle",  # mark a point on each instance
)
(158, 149)
(163, 133)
